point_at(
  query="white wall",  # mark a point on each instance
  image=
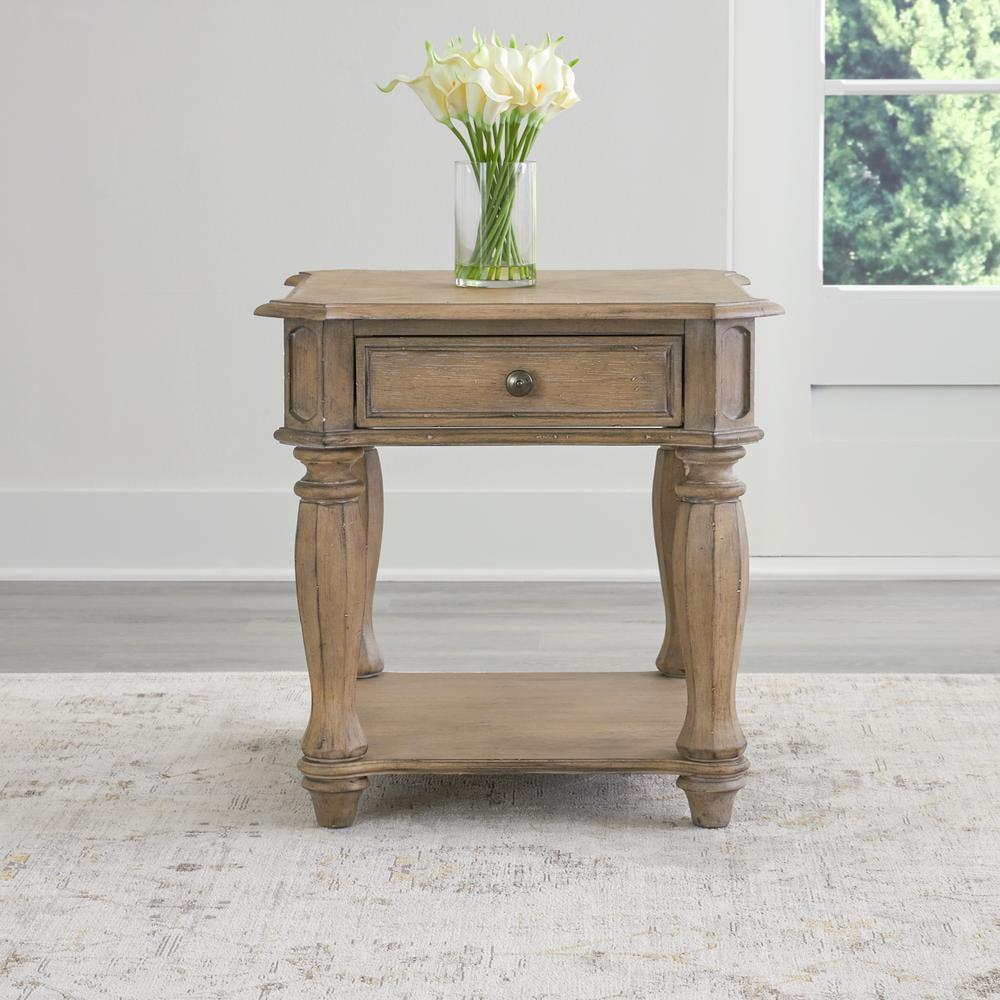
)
(166, 165)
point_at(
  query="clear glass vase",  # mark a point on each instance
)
(495, 224)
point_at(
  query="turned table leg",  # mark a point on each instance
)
(668, 473)
(371, 515)
(331, 577)
(710, 577)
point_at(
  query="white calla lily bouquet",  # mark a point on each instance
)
(499, 96)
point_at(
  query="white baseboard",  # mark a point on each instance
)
(777, 568)
(875, 568)
(488, 535)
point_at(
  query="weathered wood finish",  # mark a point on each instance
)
(599, 295)
(711, 571)
(331, 583)
(440, 358)
(667, 474)
(365, 437)
(319, 376)
(718, 376)
(517, 722)
(710, 576)
(335, 800)
(331, 573)
(710, 799)
(371, 514)
(524, 327)
(460, 381)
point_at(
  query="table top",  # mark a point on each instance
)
(660, 294)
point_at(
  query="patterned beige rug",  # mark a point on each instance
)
(154, 844)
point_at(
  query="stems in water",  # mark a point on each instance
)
(496, 153)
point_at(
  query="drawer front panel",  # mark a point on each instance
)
(574, 381)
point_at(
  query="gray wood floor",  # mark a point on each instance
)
(923, 627)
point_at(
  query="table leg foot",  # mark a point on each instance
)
(335, 802)
(710, 799)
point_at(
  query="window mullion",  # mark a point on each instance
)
(893, 88)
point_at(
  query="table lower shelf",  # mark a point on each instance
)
(496, 723)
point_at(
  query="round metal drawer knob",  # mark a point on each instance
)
(520, 383)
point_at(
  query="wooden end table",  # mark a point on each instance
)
(661, 358)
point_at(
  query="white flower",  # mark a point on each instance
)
(468, 86)
(543, 70)
(426, 88)
(481, 84)
(565, 97)
(457, 85)
(507, 67)
(539, 82)
(483, 102)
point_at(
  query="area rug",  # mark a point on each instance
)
(154, 844)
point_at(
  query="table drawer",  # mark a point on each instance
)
(475, 382)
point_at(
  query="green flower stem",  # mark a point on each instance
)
(465, 145)
(504, 206)
(496, 151)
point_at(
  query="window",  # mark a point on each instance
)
(911, 192)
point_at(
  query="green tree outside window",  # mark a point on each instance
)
(912, 183)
